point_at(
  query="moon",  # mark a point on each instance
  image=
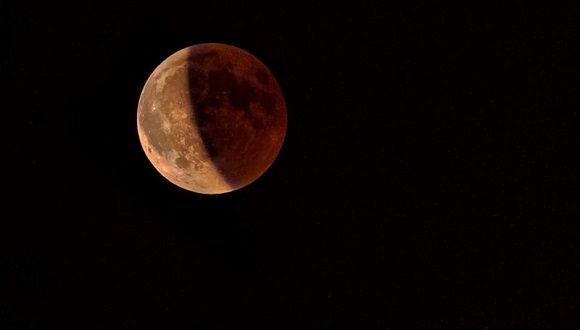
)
(211, 118)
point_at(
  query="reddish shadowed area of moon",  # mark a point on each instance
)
(211, 118)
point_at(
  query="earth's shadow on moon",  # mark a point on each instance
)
(235, 116)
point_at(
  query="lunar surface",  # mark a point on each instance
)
(211, 118)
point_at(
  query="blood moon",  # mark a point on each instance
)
(211, 118)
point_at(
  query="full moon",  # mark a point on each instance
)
(211, 118)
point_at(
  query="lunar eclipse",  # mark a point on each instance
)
(211, 118)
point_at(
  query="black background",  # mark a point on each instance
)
(429, 177)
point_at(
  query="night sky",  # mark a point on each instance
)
(430, 176)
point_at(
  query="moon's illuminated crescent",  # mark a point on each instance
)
(211, 118)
